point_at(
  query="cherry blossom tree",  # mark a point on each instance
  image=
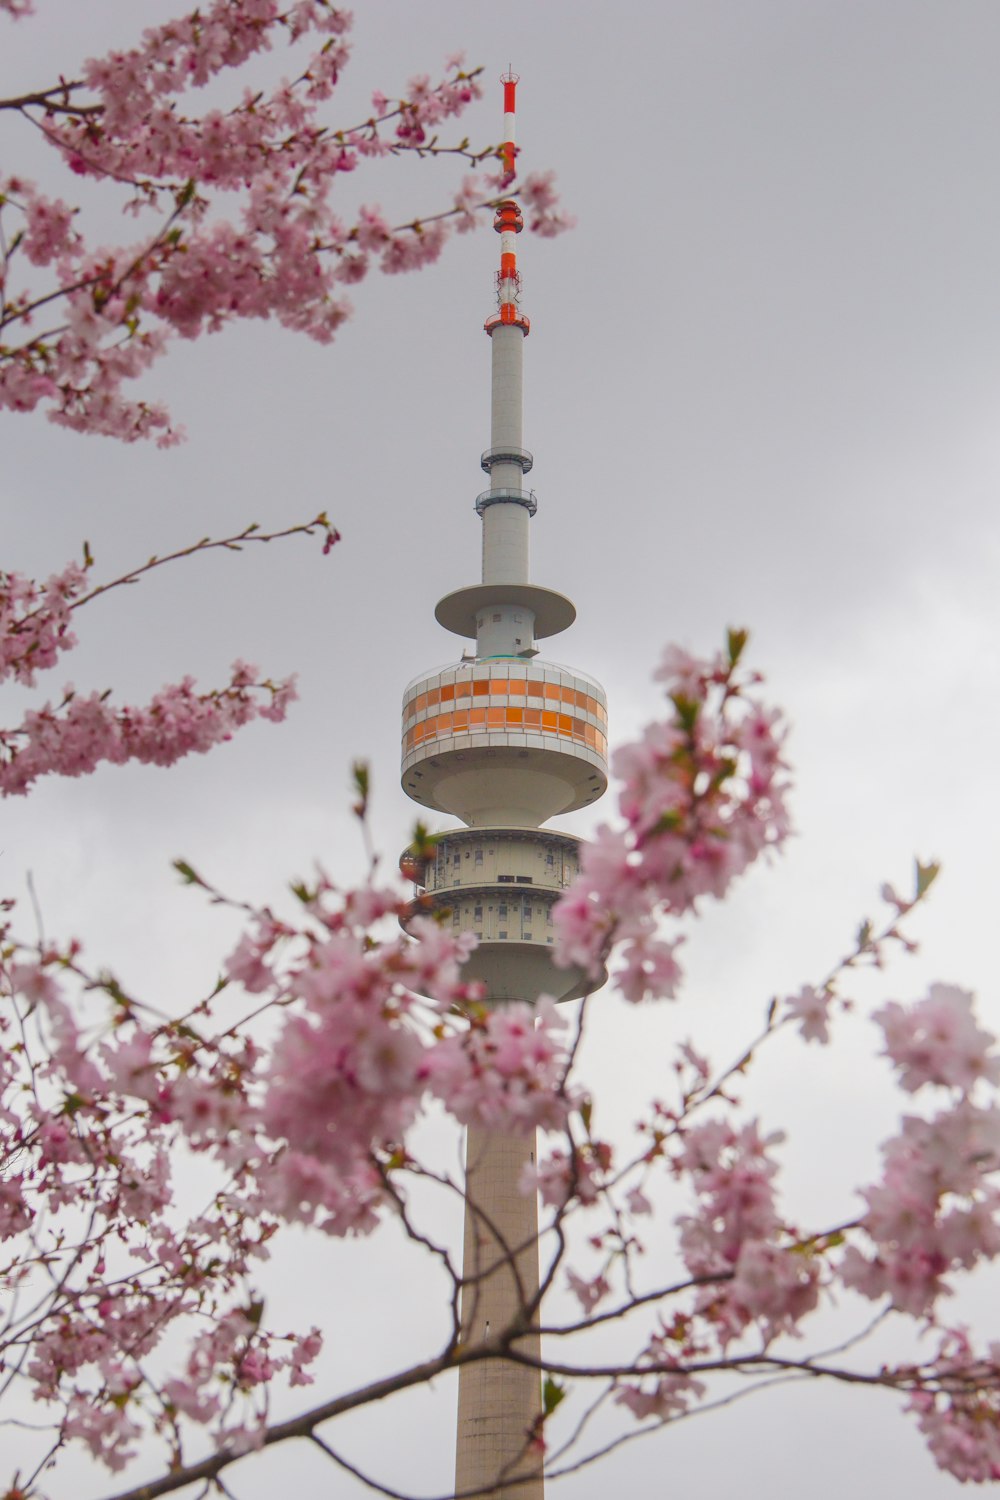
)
(133, 1325)
(301, 1079)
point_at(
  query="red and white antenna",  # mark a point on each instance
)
(508, 221)
(506, 612)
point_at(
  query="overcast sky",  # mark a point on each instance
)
(761, 389)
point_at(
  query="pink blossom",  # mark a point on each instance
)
(663, 1396)
(538, 194)
(305, 1350)
(637, 1202)
(810, 1007)
(774, 1287)
(191, 1400)
(938, 1041)
(505, 1071)
(732, 1174)
(588, 1293)
(560, 1177)
(935, 1208)
(15, 1215)
(104, 1427)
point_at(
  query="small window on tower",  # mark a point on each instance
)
(479, 856)
(503, 933)
(477, 915)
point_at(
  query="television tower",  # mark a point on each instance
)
(503, 740)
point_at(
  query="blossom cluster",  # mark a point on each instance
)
(74, 737)
(307, 1126)
(753, 1277)
(956, 1401)
(937, 1206)
(35, 621)
(280, 251)
(703, 794)
(81, 731)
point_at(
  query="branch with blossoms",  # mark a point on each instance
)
(704, 794)
(80, 732)
(285, 254)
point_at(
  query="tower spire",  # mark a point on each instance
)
(508, 221)
(506, 614)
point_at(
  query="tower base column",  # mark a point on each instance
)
(499, 1403)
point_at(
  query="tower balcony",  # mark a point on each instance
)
(506, 454)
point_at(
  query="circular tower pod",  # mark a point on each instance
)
(502, 884)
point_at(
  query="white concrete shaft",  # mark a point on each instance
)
(505, 526)
(498, 1402)
(505, 631)
(507, 386)
(505, 541)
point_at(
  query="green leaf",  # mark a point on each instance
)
(552, 1394)
(687, 711)
(926, 876)
(112, 988)
(735, 642)
(187, 874)
(361, 781)
(667, 822)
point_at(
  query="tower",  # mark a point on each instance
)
(503, 740)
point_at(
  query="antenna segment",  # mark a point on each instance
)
(506, 613)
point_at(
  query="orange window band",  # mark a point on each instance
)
(501, 717)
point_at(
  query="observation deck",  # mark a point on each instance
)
(505, 742)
